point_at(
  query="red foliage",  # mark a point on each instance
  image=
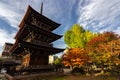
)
(75, 57)
(101, 39)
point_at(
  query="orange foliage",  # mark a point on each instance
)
(101, 39)
(75, 57)
(105, 48)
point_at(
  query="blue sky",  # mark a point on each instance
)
(95, 15)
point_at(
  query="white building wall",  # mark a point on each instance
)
(52, 58)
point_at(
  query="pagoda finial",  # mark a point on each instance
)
(41, 10)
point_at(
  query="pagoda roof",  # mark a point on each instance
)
(18, 47)
(30, 11)
(6, 48)
(6, 43)
(24, 32)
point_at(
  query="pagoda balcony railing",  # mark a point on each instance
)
(42, 43)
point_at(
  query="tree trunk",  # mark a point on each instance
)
(71, 68)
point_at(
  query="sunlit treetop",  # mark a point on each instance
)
(77, 37)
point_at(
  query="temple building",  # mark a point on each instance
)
(52, 59)
(6, 58)
(34, 39)
(5, 51)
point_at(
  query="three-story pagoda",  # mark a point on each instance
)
(34, 39)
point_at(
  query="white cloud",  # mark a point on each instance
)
(117, 30)
(61, 46)
(6, 37)
(60, 43)
(13, 11)
(8, 12)
(100, 15)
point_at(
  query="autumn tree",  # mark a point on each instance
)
(101, 48)
(75, 57)
(76, 39)
(101, 39)
(115, 52)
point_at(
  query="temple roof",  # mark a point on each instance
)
(30, 11)
(18, 47)
(8, 43)
(24, 32)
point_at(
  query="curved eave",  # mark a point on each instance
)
(14, 47)
(19, 46)
(47, 33)
(10, 44)
(25, 17)
(46, 20)
(18, 34)
(38, 46)
(23, 32)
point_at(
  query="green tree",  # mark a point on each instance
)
(57, 61)
(77, 37)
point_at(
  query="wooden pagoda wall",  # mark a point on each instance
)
(37, 60)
